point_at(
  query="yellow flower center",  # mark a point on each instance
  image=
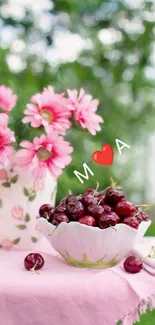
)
(47, 115)
(43, 154)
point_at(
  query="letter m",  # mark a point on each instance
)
(79, 175)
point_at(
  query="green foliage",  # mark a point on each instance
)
(147, 319)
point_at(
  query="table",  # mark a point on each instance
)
(65, 295)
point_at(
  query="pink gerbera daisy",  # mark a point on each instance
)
(7, 99)
(45, 153)
(84, 107)
(6, 139)
(50, 110)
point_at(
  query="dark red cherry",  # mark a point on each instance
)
(113, 196)
(125, 208)
(132, 222)
(59, 217)
(71, 198)
(133, 264)
(88, 200)
(138, 215)
(88, 220)
(89, 191)
(60, 209)
(100, 196)
(95, 210)
(107, 220)
(75, 210)
(139, 218)
(145, 217)
(107, 208)
(46, 211)
(92, 192)
(33, 262)
(63, 201)
(142, 216)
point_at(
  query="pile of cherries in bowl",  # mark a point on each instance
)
(95, 209)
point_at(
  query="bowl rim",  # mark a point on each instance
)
(93, 229)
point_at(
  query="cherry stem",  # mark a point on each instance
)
(136, 214)
(104, 190)
(148, 206)
(97, 186)
(33, 268)
(114, 184)
(79, 197)
(46, 216)
(99, 202)
(149, 255)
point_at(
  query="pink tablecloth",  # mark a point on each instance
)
(65, 295)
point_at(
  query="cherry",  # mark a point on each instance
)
(142, 216)
(132, 222)
(75, 209)
(139, 218)
(95, 210)
(107, 220)
(88, 220)
(71, 198)
(63, 201)
(107, 208)
(145, 217)
(46, 211)
(90, 191)
(88, 199)
(58, 218)
(113, 196)
(33, 262)
(133, 264)
(101, 198)
(124, 208)
(137, 215)
(60, 209)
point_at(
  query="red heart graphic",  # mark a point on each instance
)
(105, 156)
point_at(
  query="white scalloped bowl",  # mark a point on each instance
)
(92, 247)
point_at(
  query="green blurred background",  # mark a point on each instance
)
(106, 47)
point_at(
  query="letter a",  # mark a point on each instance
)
(120, 148)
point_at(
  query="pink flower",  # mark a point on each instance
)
(6, 139)
(50, 110)
(6, 243)
(84, 108)
(3, 175)
(17, 212)
(7, 99)
(47, 153)
(38, 185)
